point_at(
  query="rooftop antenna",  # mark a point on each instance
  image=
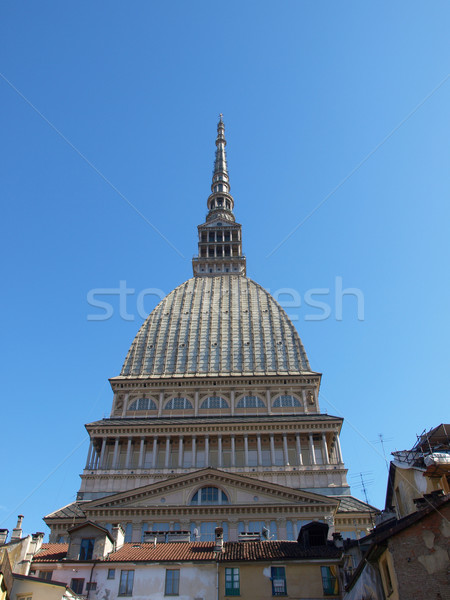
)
(382, 440)
(364, 482)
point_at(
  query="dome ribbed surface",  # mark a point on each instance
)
(212, 326)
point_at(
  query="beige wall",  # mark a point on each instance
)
(302, 580)
(37, 589)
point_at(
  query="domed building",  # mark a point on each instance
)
(215, 418)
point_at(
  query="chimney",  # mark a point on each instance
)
(178, 536)
(249, 536)
(218, 541)
(17, 531)
(118, 535)
(162, 537)
(3, 536)
(337, 540)
(36, 541)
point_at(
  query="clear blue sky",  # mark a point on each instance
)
(308, 91)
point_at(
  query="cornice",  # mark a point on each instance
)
(121, 383)
(196, 426)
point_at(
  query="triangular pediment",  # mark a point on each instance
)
(240, 490)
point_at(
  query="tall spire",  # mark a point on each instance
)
(220, 199)
(220, 163)
(220, 237)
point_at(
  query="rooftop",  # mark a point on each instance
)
(200, 551)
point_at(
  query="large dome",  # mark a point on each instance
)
(216, 326)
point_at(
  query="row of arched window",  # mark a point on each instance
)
(285, 401)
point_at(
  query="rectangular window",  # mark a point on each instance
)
(46, 575)
(172, 582)
(86, 549)
(77, 585)
(111, 573)
(387, 578)
(232, 584)
(128, 533)
(278, 581)
(330, 581)
(126, 583)
(91, 586)
(207, 531)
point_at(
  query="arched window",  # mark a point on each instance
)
(250, 402)
(178, 404)
(285, 402)
(143, 404)
(214, 402)
(209, 495)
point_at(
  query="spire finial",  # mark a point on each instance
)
(220, 239)
(220, 162)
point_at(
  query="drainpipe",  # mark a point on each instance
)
(90, 578)
(217, 578)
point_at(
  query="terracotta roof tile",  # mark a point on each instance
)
(199, 551)
(51, 552)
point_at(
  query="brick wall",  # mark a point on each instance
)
(421, 557)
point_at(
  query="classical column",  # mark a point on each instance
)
(325, 449)
(194, 451)
(167, 457)
(232, 402)
(102, 454)
(299, 448)
(94, 460)
(219, 451)
(141, 454)
(116, 454)
(207, 451)
(272, 450)
(89, 455)
(180, 452)
(233, 451)
(155, 452)
(311, 450)
(305, 401)
(339, 451)
(246, 450)
(258, 445)
(285, 450)
(196, 404)
(161, 402)
(125, 405)
(281, 529)
(128, 459)
(233, 530)
(269, 407)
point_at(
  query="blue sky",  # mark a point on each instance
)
(309, 90)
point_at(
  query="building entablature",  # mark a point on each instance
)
(126, 383)
(125, 428)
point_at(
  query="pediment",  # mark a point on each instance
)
(240, 489)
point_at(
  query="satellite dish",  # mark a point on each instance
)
(196, 533)
(265, 533)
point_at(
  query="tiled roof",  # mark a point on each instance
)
(200, 551)
(210, 326)
(67, 512)
(352, 504)
(51, 552)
